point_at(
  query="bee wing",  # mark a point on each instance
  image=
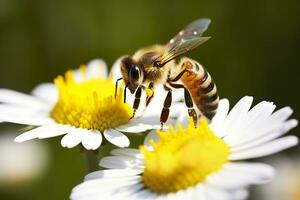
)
(186, 40)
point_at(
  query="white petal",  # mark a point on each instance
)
(177, 95)
(18, 98)
(97, 68)
(238, 112)
(283, 128)
(134, 153)
(136, 126)
(24, 115)
(261, 111)
(105, 188)
(266, 149)
(218, 122)
(213, 193)
(282, 114)
(43, 132)
(183, 194)
(200, 193)
(237, 115)
(238, 175)
(191, 193)
(222, 111)
(115, 71)
(121, 162)
(29, 135)
(34, 121)
(263, 172)
(183, 119)
(276, 120)
(178, 110)
(21, 110)
(144, 194)
(112, 173)
(91, 140)
(128, 191)
(252, 125)
(116, 137)
(241, 194)
(73, 138)
(108, 162)
(53, 131)
(46, 91)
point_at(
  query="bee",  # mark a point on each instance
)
(156, 65)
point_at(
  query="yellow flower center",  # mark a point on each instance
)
(90, 103)
(183, 158)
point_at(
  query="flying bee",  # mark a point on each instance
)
(156, 65)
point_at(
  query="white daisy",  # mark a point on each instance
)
(196, 163)
(81, 106)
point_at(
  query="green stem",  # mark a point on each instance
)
(92, 160)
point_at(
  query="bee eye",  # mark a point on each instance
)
(134, 74)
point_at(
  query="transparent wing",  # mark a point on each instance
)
(186, 40)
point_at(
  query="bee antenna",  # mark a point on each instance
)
(116, 88)
(125, 92)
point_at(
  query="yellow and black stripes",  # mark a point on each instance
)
(202, 88)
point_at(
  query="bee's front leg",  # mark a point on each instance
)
(124, 92)
(137, 100)
(167, 104)
(116, 86)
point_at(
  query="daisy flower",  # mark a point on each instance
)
(81, 106)
(196, 163)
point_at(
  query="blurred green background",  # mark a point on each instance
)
(254, 50)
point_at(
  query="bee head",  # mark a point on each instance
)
(132, 73)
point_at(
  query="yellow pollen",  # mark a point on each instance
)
(89, 103)
(183, 158)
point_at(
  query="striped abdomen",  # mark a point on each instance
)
(201, 87)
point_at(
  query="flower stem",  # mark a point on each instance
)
(92, 161)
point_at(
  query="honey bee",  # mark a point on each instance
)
(156, 65)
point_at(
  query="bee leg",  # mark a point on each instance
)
(178, 76)
(125, 93)
(116, 88)
(166, 110)
(188, 102)
(137, 100)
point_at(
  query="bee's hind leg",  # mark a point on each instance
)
(188, 102)
(137, 100)
(167, 104)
